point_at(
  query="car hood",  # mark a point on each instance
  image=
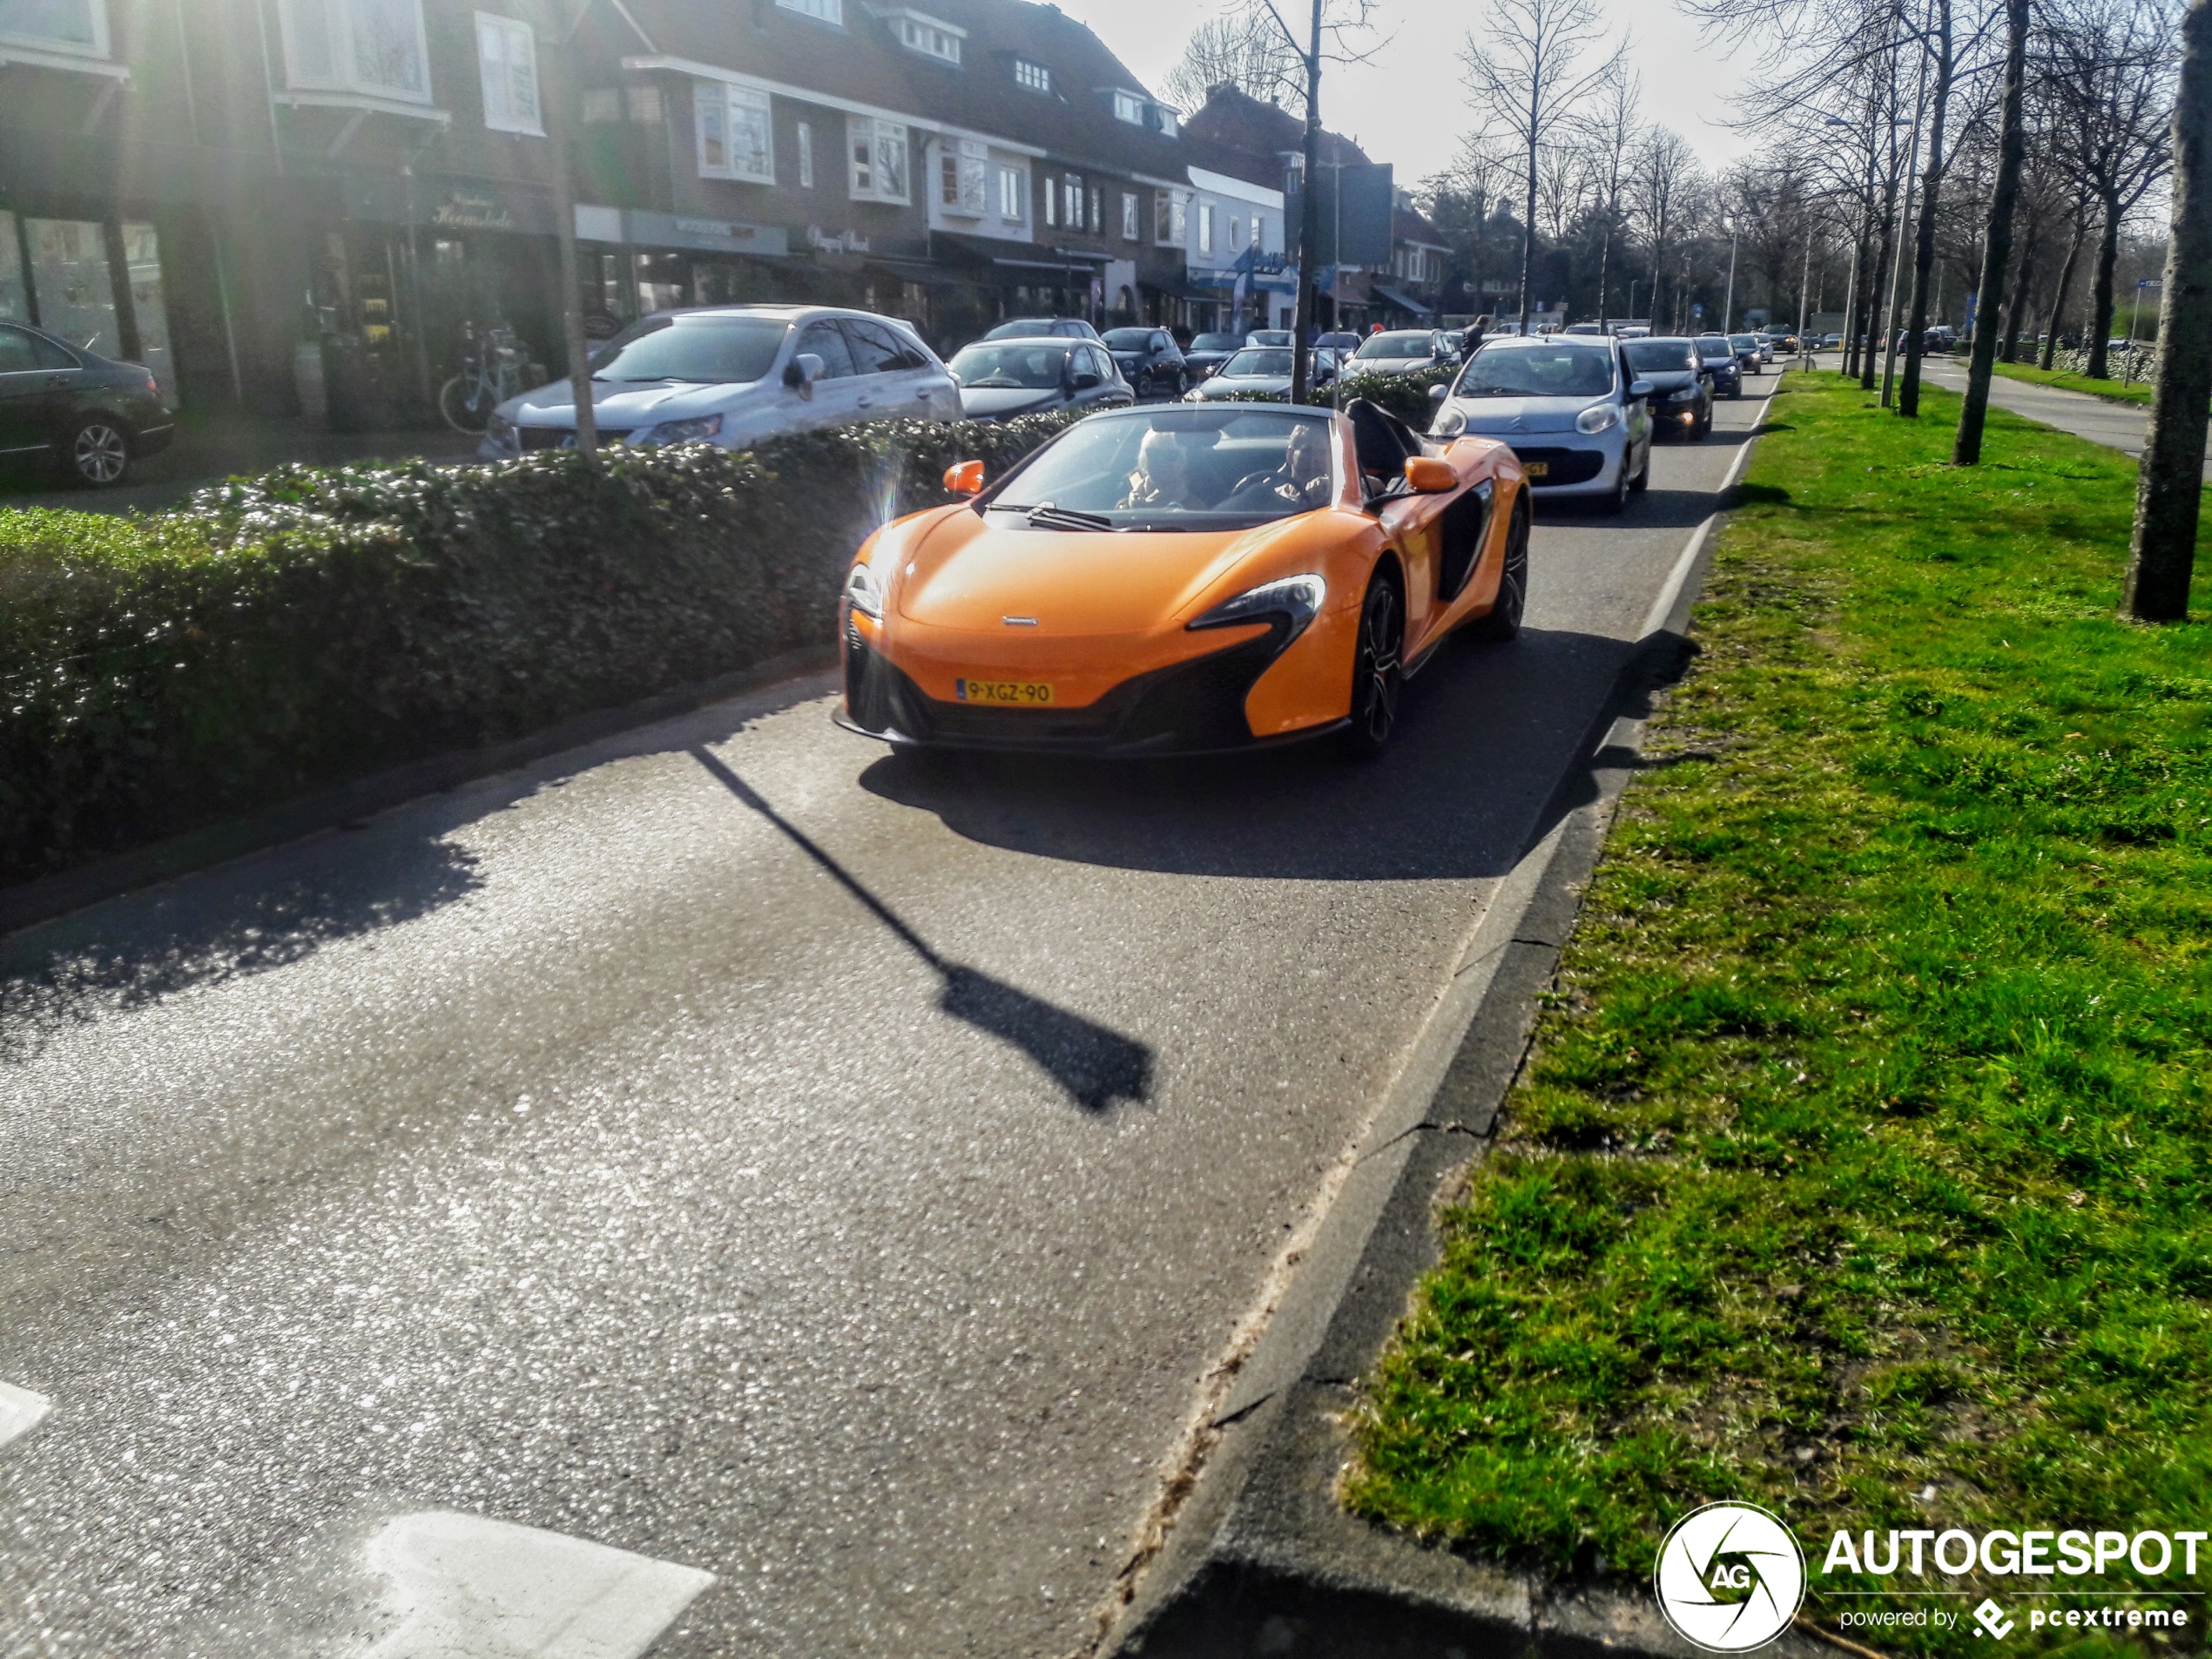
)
(1508, 414)
(984, 401)
(1269, 385)
(624, 405)
(969, 575)
(1673, 380)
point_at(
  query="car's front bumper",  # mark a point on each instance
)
(1574, 463)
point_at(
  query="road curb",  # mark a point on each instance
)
(1262, 1559)
(46, 897)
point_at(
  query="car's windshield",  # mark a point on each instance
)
(981, 368)
(1129, 339)
(1559, 367)
(1178, 467)
(1744, 342)
(1659, 356)
(706, 351)
(1711, 348)
(1397, 346)
(1260, 364)
(1269, 337)
(1021, 329)
(1216, 342)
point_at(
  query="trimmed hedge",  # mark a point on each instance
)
(308, 626)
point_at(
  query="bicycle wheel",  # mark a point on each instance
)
(465, 404)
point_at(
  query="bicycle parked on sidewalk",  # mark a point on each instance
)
(491, 372)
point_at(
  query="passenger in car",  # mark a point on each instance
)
(1162, 476)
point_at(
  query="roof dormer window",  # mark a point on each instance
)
(928, 36)
(1036, 77)
(829, 12)
(1128, 107)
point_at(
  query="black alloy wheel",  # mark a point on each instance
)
(1503, 621)
(1378, 673)
(99, 452)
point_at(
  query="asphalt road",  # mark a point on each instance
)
(730, 1144)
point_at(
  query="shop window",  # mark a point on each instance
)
(735, 140)
(1130, 231)
(963, 170)
(1036, 77)
(370, 47)
(78, 26)
(821, 11)
(149, 306)
(507, 59)
(805, 156)
(878, 159)
(1014, 188)
(15, 298)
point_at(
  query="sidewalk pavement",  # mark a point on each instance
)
(206, 452)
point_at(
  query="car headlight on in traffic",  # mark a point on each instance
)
(691, 431)
(1298, 597)
(1450, 421)
(1598, 417)
(862, 593)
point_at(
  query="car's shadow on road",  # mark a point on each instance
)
(1486, 735)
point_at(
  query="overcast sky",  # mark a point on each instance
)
(1407, 107)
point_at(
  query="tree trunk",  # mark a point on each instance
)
(1908, 391)
(1604, 259)
(2169, 490)
(2101, 291)
(1874, 302)
(1528, 235)
(2058, 297)
(1997, 242)
(1309, 221)
(2016, 307)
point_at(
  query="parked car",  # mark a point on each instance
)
(999, 379)
(1402, 351)
(1571, 408)
(60, 404)
(1264, 370)
(1043, 329)
(1830, 343)
(1682, 396)
(1150, 361)
(1344, 342)
(1748, 352)
(1207, 352)
(1270, 337)
(1722, 366)
(732, 376)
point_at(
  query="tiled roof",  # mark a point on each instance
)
(1233, 120)
(1407, 224)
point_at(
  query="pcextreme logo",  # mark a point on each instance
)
(1730, 1577)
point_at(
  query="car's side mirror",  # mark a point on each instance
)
(802, 372)
(1436, 393)
(1640, 388)
(1427, 476)
(1084, 381)
(964, 478)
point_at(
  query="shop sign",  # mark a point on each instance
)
(471, 213)
(844, 242)
(450, 205)
(713, 235)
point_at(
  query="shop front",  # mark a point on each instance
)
(95, 282)
(1259, 290)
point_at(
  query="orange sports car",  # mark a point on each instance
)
(1185, 578)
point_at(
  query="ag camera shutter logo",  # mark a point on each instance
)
(1730, 1577)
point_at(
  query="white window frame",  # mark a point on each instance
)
(927, 37)
(964, 164)
(1013, 193)
(828, 11)
(1071, 200)
(805, 155)
(868, 185)
(721, 106)
(1173, 206)
(1132, 221)
(61, 44)
(1033, 75)
(1206, 228)
(1128, 107)
(1051, 193)
(338, 19)
(499, 88)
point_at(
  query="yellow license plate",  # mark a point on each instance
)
(1536, 469)
(1022, 693)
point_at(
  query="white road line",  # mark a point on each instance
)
(1662, 607)
(20, 1411)
(466, 1587)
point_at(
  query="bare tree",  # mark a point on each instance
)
(1243, 50)
(1939, 39)
(1526, 73)
(1997, 241)
(1608, 132)
(2169, 495)
(1665, 172)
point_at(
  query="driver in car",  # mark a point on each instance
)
(1301, 482)
(1163, 476)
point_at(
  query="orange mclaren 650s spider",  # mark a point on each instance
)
(1184, 578)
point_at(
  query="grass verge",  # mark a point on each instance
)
(2133, 392)
(1863, 1166)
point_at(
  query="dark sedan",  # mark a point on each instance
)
(1209, 352)
(60, 404)
(999, 379)
(1722, 368)
(1150, 361)
(1682, 402)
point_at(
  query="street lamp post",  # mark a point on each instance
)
(1727, 305)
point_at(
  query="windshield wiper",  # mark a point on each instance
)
(1045, 517)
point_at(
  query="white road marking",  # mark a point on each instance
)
(1655, 618)
(466, 1587)
(20, 1411)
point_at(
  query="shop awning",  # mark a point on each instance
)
(1018, 256)
(916, 271)
(1391, 296)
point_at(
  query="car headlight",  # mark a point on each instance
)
(704, 425)
(1298, 597)
(1597, 418)
(862, 593)
(1451, 421)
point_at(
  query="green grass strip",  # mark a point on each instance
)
(1863, 1166)
(2133, 392)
